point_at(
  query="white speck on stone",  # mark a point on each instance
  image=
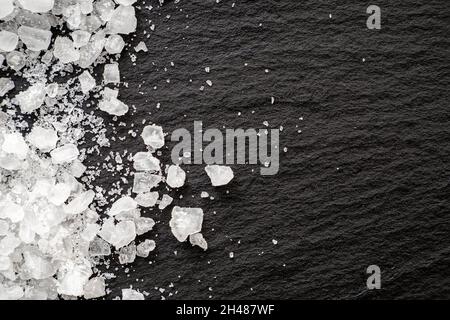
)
(37, 6)
(111, 73)
(141, 47)
(87, 82)
(35, 39)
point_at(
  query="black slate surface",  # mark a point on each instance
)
(367, 180)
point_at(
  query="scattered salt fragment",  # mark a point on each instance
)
(130, 294)
(90, 232)
(8, 41)
(6, 8)
(144, 181)
(16, 60)
(209, 83)
(114, 44)
(87, 82)
(99, 247)
(123, 20)
(143, 249)
(272, 100)
(127, 254)
(147, 199)
(12, 211)
(275, 242)
(124, 204)
(80, 203)
(64, 50)
(89, 53)
(94, 288)
(35, 39)
(65, 153)
(207, 69)
(105, 9)
(14, 143)
(80, 38)
(37, 6)
(141, 47)
(145, 161)
(75, 275)
(112, 105)
(153, 136)
(175, 176)
(32, 98)
(204, 194)
(6, 85)
(77, 168)
(165, 201)
(219, 175)
(111, 73)
(143, 225)
(231, 255)
(197, 239)
(118, 235)
(185, 221)
(43, 139)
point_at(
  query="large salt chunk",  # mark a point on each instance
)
(65, 153)
(197, 239)
(37, 5)
(175, 176)
(185, 221)
(90, 52)
(16, 60)
(36, 265)
(219, 175)
(123, 20)
(125, 2)
(124, 204)
(14, 143)
(94, 288)
(141, 47)
(143, 225)
(72, 281)
(6, 8)
(147, 199)
(153, 136)
(8, 40)
(144, 248)
(145, 161)
(130, 294)
(105, 9)
(80, 38)
(80, 203)
(32, 98)
(6, 85)
(87, 82)
(112, 105)
(65, 51)
(114, 44)
(35, 39)
(165, 201)
(127, 254)
(42, 138)
(118, 235)
(99, 247)
(111, 73)
(144, 181)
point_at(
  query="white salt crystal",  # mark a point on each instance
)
(38, 6)
(112, 105)
(64, 50)
(77, 168)
(197, 239)
(118, 235)
(143, 249)
(219, 175)
(144, 181)
(175, 176)
(143, 225)
(12, 211)
(125, 2)
(35, 39)
(52, 90)
(80, 203)
(145, 161)
(124, 204)
(204, 194)
(105, 9)
(80, 38)
(99, 247)
(65, 153)
(185, 221)
(111, 73)
(165, 201)
(90, 52)
(87, 82)
(130, 294)
(31, 98)
(123, 20)
(114, 44)
(153, 136)
(147, 199)
(6, 85)
(37, 266)
(275, 242)
(42, 138)
(6, 8)
(127, 254)
(94, 288)
(72, 281)
(14, 143)
(141, 47)
(8, 40)
(59, 193)
(16, 60)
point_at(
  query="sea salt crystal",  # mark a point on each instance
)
(141, 47)
(90, 52)
(65, 153)
(94, 288)
(112, 106)
(130, 294)
(165, 201)
(38, 6)
(153, 136)
(12, 211)
(123, 20)
(185, 221)
(80, 38)
(105, 9)
(143, 225)
(147, 199)
(77, 168)
(204, 194)
(143, 249)
(16, 60)
(80, 203)
(43, 139)
(31, 98)
(144, 181)
(8, 41)
(87, 82)
(219, 175)
(6, 85)
(111, 73)
(59, 193)
(127, 254)
(99, 247)
(64, 50)
(6, 8)
(35, 39)
(175, 176)
(76, 275)
(114, 44)
(36, 265)
(124, 204)
(197, 239)
(15, 144)
(145, 161)
(120, 234)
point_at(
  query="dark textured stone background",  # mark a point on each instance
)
(385, 123)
